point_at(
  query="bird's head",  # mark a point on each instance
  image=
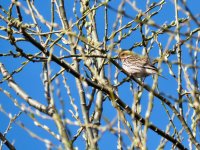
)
(125, 54)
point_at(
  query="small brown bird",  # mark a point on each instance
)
(138, 66)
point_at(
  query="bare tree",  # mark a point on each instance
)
(76, 43)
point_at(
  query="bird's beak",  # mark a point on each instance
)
(118, 51)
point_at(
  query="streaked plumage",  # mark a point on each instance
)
(138, 66)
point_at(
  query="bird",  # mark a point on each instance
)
(137, 65)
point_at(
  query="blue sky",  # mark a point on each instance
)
(30, 80)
